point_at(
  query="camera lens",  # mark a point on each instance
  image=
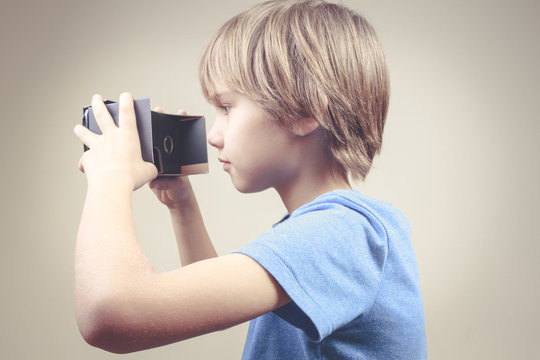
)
(168, 144)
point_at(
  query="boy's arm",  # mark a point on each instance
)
(122, 304)
(192, 239)
(176, 193)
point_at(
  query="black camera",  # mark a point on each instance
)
(176, 144)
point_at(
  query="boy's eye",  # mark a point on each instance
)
(225, 109)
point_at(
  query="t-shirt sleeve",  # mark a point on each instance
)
(330, 262)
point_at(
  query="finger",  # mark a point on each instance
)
(148, 172)
(126, 113)
(161, 183)
(182, 112)
(87, 137)
(158, 183)
(80, 165)
(152, 170)
(158, 109)
(102, 115)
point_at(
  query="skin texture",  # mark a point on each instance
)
(259, 154)
(243, 135)
(122, 304)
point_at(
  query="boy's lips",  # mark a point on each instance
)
(226, 164)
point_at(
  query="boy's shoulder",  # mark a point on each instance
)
(351, 206)
(338, 249)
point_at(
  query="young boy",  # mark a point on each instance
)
(301, 91)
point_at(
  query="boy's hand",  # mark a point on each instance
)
(116, 154)
(173, 192)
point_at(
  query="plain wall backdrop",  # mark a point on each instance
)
(460, 158)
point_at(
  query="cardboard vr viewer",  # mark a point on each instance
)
(176, 144)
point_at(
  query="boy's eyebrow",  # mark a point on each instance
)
(218, 96)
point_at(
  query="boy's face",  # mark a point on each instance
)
(255, 151)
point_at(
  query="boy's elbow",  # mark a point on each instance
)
(103, 338)
(102, 325)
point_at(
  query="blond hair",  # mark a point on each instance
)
(307, 58)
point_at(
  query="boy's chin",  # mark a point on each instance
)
(247, 188)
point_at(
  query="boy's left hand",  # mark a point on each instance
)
(116, 154)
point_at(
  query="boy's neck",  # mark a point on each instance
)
(308, 187)
(314, 173)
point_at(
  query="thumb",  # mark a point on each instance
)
(147, 172)
(151, 170)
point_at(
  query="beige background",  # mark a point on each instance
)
(460, 158)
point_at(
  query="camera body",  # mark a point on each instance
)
(175, 144)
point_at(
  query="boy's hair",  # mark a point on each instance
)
(307, 58)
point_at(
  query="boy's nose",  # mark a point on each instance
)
(215, 136)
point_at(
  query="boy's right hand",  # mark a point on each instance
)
(174, 191)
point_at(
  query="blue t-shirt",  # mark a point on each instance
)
(348, 265)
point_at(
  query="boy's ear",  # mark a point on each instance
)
(305, 126)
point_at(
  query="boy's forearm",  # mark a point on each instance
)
(107, 241)
(108, 256)
(192, 239)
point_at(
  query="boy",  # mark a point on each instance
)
(301, 91)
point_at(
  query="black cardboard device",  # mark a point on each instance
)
(176, 144)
